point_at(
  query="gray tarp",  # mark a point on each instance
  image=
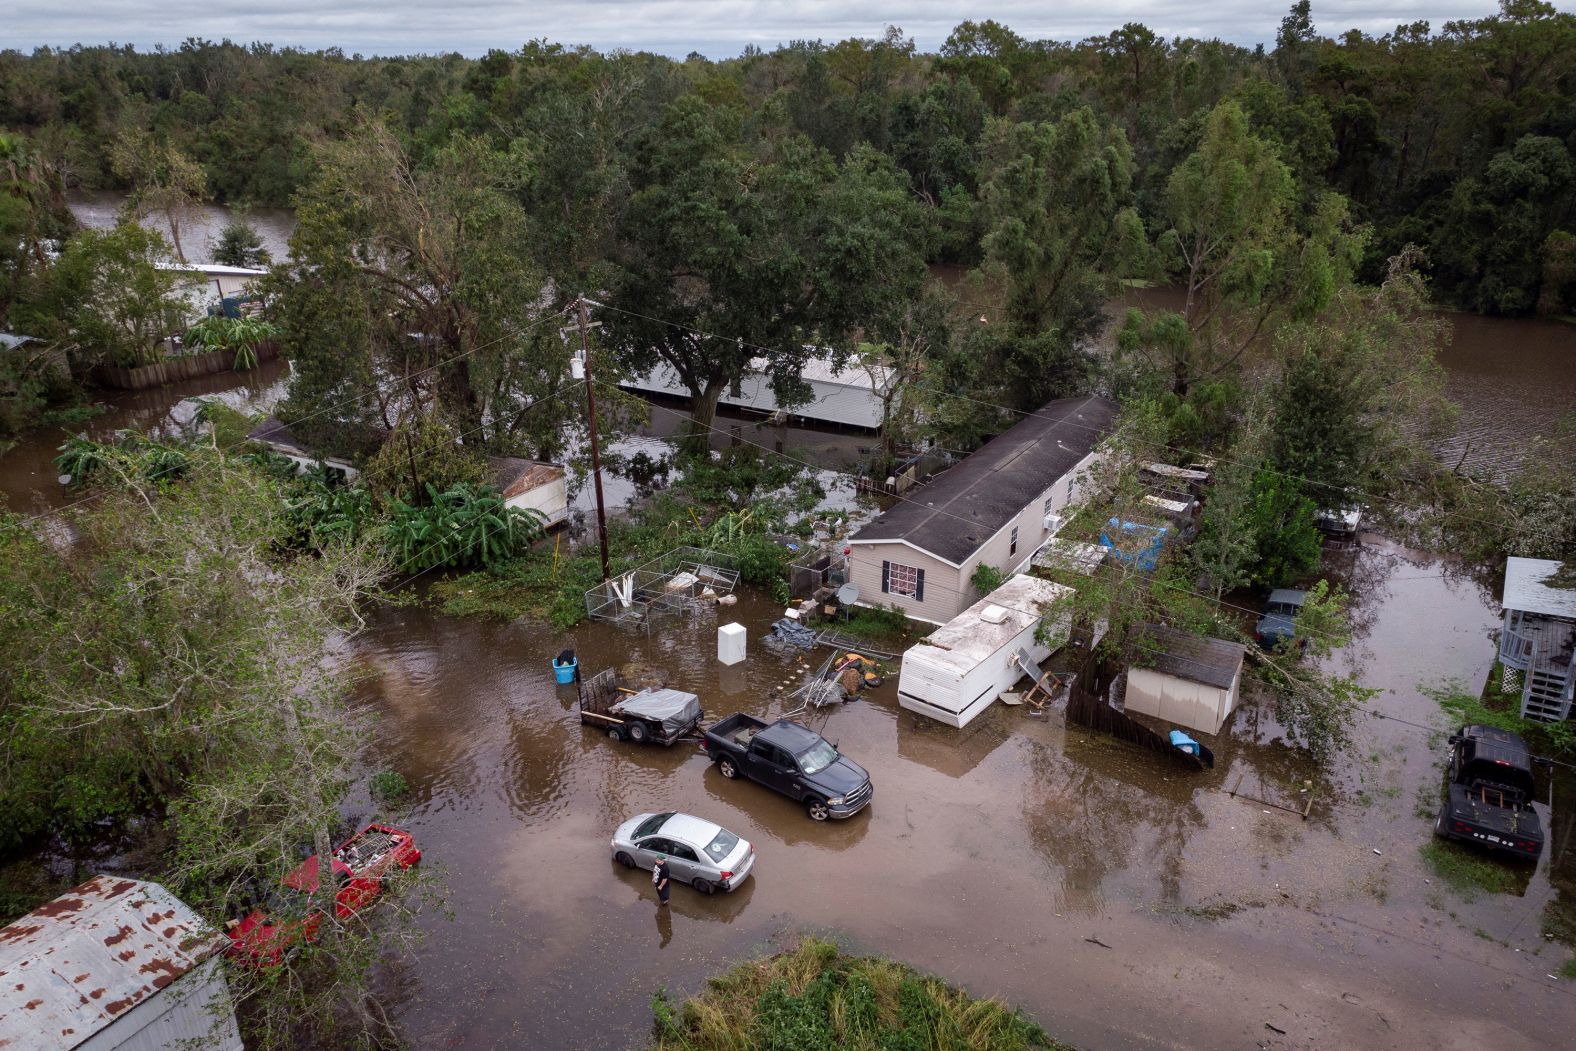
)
(675, 709)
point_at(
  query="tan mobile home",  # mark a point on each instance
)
(998, 506)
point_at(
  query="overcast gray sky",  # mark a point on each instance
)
(715, 28)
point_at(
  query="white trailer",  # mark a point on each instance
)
(966, 664)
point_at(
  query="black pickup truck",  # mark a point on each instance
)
(791, 759)
(1489, 794)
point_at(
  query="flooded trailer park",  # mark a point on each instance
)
(1122, 901)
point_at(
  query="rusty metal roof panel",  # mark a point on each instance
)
(71, 967)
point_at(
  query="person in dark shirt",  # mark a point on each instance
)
(659, 876)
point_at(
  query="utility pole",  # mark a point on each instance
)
(582, 312)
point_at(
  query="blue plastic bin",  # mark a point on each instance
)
(565, 673)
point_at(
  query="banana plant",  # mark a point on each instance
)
(242, 335)
(466, 525)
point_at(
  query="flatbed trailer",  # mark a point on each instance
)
(655, 715)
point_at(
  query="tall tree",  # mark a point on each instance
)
(164, 180)
(737, 257)
(439, 291)
(1247, 260)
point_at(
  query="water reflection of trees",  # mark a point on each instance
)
(1099, 805)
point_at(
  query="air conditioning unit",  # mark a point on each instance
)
(1054, 523)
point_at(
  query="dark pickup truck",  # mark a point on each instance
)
(1489, 794)
(791, 759)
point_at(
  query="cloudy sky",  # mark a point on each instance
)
(715, 28)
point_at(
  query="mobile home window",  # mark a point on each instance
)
(1049, 500)
(898, 579)
(1013, 549)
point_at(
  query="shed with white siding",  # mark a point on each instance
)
(531, 485)
(962, 667)
(114, 965)
(1183, 679)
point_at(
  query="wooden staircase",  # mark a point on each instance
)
(1546, 695)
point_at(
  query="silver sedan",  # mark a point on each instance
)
(701, 853)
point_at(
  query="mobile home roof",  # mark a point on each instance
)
(969, 638)
(966, 505)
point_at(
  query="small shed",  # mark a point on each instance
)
(959, 670)
(533, 485)
(276, 437)
(1183, 679)
(114, 964)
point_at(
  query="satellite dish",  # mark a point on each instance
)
(848, 594)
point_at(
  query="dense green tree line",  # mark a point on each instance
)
(1457, 138)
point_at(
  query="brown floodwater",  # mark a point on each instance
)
(1124, 903)
(991, 856)
(101, 209)
(1514, 378)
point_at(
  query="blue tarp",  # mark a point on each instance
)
(1141, 542)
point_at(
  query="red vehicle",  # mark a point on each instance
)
(360, 865)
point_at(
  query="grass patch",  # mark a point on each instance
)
(1466, 872)
(816, 997)
(1568, 968)
(388, 786)
(881, 625)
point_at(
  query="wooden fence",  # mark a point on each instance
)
(1089, 704)
(173, 370)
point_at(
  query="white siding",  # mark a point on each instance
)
(1180, 701)
(945, 593)
(849, 399)
(551, 499)
(193, 1011)
(973, 664)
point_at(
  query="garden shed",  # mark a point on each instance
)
(1183, 679)
(114, 964)
(531, 485)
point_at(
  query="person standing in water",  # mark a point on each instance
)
(659, 876)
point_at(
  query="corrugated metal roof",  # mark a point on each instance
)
(1526, 590)
(953, 516)
(71, 967)
(1196, 658)
(513, 475)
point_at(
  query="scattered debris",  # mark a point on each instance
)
(1103, 945)
(1274, 1029)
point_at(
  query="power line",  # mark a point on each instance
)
(1037, 614)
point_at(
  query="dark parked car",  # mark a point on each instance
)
(1277, 628)
(793, 760)
(1489, 795)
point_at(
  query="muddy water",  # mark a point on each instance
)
(28, 479)
(1514, 378)
(992, 856)
(199, 232)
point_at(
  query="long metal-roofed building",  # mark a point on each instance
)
(114, 964)
(997, 506)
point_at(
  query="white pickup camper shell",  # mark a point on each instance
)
(954, 674)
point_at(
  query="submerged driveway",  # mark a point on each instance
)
(1123, 902)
